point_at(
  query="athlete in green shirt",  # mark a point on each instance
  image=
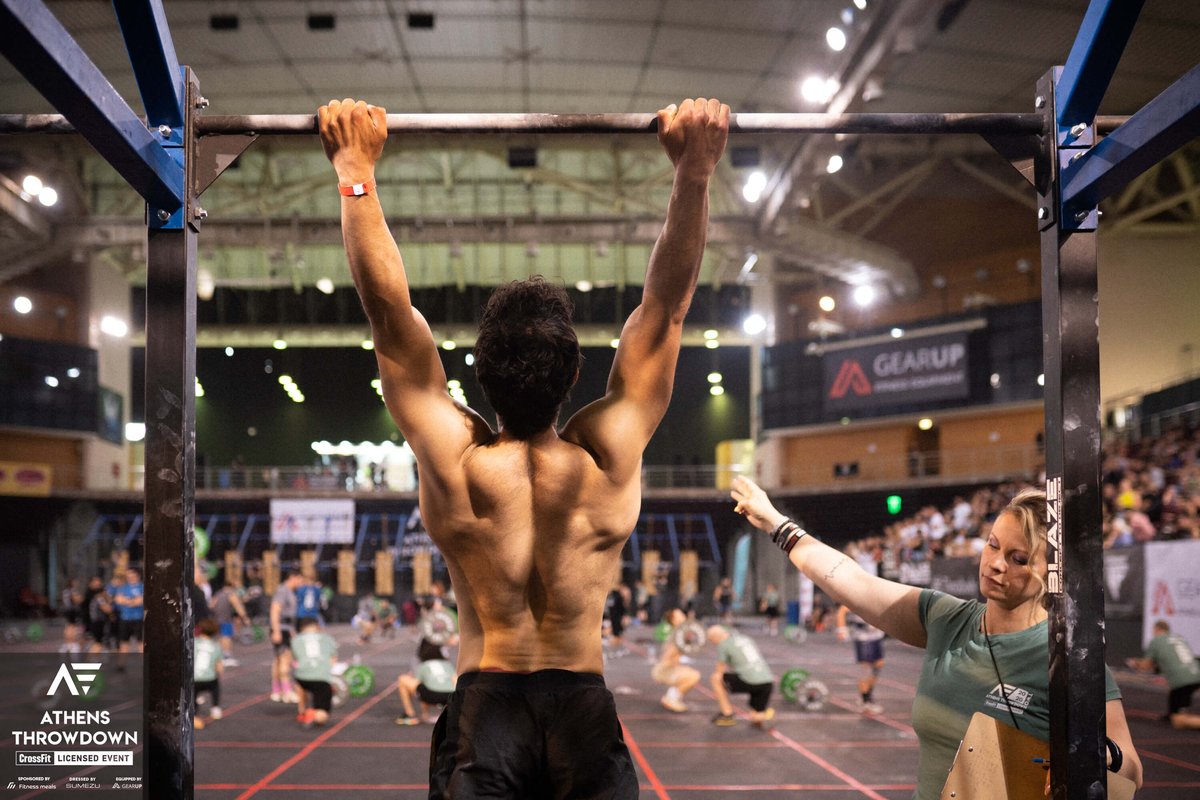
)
(960, 637)
(313, 653)
(740, 669)
(207, 667)
(431, 686)
(1170, 654)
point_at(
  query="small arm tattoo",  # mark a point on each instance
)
(834, 568)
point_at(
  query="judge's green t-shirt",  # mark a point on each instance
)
(1174, 659)
(741, 654)
(314, 654)
(959, 679)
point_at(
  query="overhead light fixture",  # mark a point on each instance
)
(835, 163)
(22, 304)
(861, 5)
(816, 89)
(756, 182)
(864, 295)
(279, 344)
(583, 285)
(470, 359)
(754, 324)
(51, 381)
(925, 423)
(1041, 380)
(716, 391)
(73, 372)
(135, 431)
(368, 344)
(113, 326)
(47, 197)
(206, 284)
(712, 344)
(714, 377)
(711, 333)
(614, 343)
(324, 286)
(285, 380)
(847, 16)
(897, 333)
(229, 352)
(32, 185)
(826, 303)
(199, 389)
(835, 37)
(449, 344)
(995, 380)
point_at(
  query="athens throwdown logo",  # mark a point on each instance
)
(850, 377)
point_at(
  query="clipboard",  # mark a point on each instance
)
(995, 762)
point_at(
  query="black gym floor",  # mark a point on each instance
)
(258, 750)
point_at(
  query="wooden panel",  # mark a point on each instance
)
(422, 571)
(63, 454)
(233, 568)
(385, 573)
(689, 574)
(345, 573)
(308, 564)
(270, 572)
(650, 560)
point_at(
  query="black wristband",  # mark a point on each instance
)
(793, 536)
(779, 529)
(1115, 756)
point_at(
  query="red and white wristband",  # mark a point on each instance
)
(356, 189)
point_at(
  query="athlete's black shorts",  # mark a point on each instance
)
(547, 734)
(285, 642)
(1180, 698)
(868, 652)
(760, 693)
(212, 687)
(430, 697)
(321, 691)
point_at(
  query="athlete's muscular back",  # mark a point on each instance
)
(532, 537)
(531, 525)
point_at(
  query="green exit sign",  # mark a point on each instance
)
(893, 504)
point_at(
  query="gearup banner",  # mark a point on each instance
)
(72, 722)
(901, 371)
(312, 522)
(1172, 591)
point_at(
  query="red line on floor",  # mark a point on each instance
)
(883, 719)
(302, 743)
(810, 755)
(636, 752)
(785, 787)
(314, 744)
(689, 745)
(1168, 760)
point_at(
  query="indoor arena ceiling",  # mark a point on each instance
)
(590, 208)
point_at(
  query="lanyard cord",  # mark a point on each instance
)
(995, 666)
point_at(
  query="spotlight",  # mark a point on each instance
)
(716, 391)
(135, 431)
(206, 285)
(861, 5)
(113, 326)
(827, 303)
(925, 423)
(73, 372)
(470, 359)
(711, 333)
(47, 197)
(368, 344)
(864, 295)
(714, 377)
(756, 182)
(897, 333)
(51, 381)
(22, 304)
(229, 352)
(836, 39)
(1042, 380)
(324, 286)
(449, 344)
(32, 185)
(614, 343)
(279, 344)
(835, 163)
(754, 324)
(583, 285)
(816, 89)
(712, 344)
(285, 380)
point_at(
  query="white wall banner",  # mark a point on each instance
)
(1173, 589)
(312, 522)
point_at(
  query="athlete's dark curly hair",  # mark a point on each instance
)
(526, 354)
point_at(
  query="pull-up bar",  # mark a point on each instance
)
(300, 124)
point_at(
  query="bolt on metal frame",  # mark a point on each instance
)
(175, 153)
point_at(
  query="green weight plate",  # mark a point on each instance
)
(662, 631)
(790, 685)
(360, 679)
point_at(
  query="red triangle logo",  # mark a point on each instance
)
(850, 377)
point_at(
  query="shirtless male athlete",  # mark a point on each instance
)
(531, 520)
